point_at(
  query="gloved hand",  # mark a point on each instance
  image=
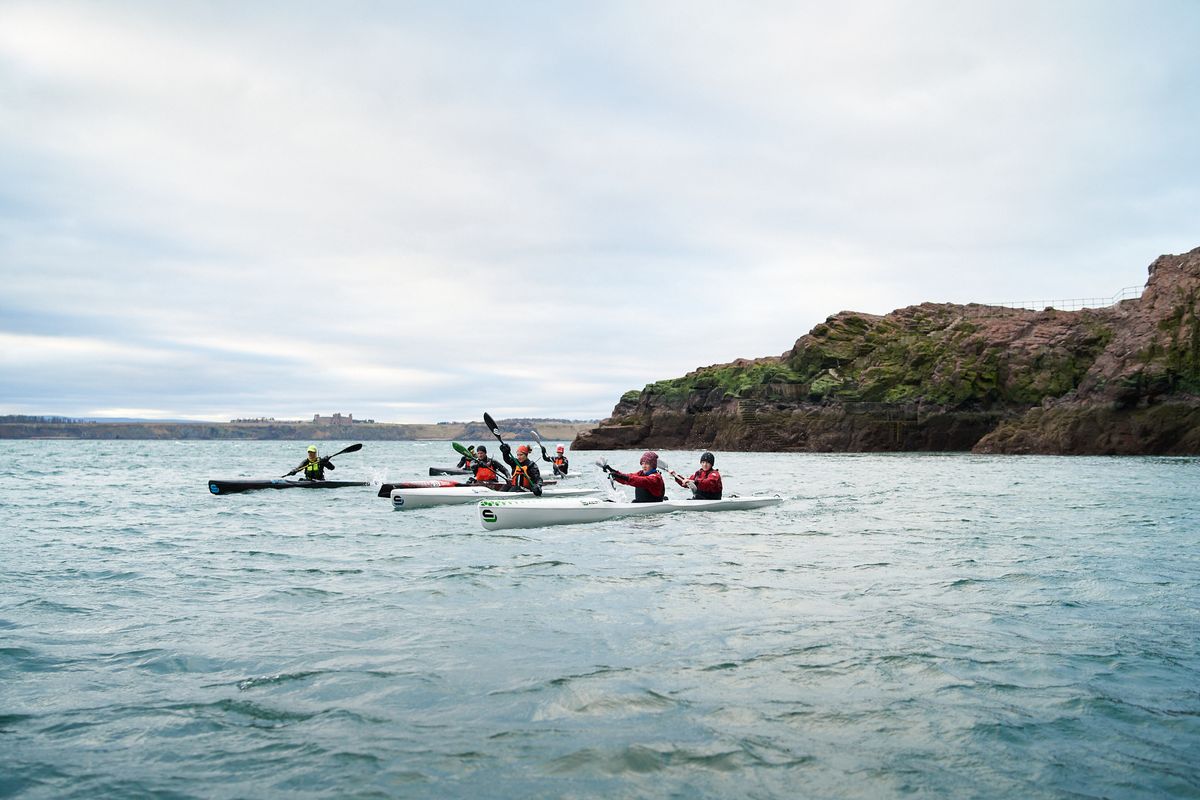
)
(608, 469)
(504, 448)
(536, 489)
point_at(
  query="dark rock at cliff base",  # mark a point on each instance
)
(939, 377)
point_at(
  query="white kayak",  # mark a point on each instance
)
(499, 514)
(405, 499)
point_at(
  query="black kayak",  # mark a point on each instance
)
(449, 471)
(232, 487)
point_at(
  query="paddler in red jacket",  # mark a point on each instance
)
(525, 473)
(648, 486)
(705, 482)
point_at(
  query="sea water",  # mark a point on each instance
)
(929, 625)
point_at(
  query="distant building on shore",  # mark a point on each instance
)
(338, 419)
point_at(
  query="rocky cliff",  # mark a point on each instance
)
(1117, 380)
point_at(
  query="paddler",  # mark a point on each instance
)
(314, 467)
(559, 461)
(648, 486)
(525, 473)
(465, 461)
(487, 469)
(705, 482)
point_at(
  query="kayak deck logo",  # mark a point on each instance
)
(488, 515)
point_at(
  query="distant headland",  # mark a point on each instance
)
(1117, 380)
(336, 427)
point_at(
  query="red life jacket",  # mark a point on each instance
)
(484, 473)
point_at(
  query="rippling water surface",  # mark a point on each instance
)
(937, 625)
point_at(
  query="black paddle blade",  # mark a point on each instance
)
(491, 423)
(354, 448)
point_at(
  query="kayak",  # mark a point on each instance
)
(385, 489)
(234, 486)
(500, 514)
(405, 499)
(449, 471)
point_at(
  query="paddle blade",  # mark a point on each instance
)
(535, 435)
(491, 423)
(462, 451)
(601, 462)
(663, 465)
(354, 448)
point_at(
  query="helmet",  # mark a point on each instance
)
(708, 457)
(312, 448)
(523, 449)
(559, 449)
(650, 457)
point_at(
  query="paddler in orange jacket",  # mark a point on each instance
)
(559, 461)
(525, 473)
(648, 486)
(487, 469)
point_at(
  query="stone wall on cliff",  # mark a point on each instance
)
(937, 376)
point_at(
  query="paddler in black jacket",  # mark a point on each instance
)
(559, 461)
(314, 468)
(525, 473)
(487, 469)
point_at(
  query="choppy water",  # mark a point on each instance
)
(941, 626)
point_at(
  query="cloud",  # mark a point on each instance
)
(415, 211)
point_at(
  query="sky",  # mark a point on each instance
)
(416, 212)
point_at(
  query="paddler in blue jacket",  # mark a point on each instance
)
(314, 468)
(525, 473)
(648, 486)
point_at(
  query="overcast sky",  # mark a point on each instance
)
(421, 211)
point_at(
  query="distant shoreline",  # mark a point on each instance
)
(444, 431)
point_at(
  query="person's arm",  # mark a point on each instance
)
(535, 478)
(500, 469)
(327, 464)
(506, 451)
(297, 469)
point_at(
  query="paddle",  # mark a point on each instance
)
(354, 448)
(466, 452)
(602, 463)
(545, 455)
(491, 423)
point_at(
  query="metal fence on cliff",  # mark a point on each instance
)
(1074, 304)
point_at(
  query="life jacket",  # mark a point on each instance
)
(520, 476)
(484, 472)
(314, 470)
(643, 495)
(560, 465)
